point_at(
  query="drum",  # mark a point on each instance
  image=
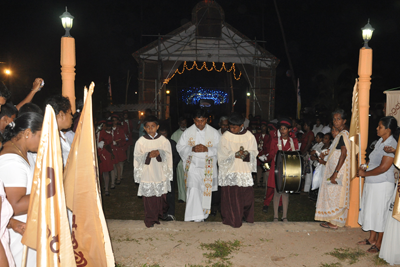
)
(288, 170)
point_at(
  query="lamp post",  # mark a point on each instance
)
(248, 105)
(364, 84)
(167, 92)
(67, 59)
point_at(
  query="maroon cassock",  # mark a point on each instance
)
(154, 208)
(237, 205)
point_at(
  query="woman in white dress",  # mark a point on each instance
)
(378, 186)
(6, 212)
(391, 239)
(16, 172)
(333, 196)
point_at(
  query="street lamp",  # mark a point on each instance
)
(248, 104)
(364, 85)
(167, 92)
(67, 20)
(68, 60)
(367, 31)
(7, 71)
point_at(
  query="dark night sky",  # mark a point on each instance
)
(320, 35)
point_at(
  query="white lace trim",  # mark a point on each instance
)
(137, 172)
(167, 170)
(236, 178)
(225, 165)
(154, 189)
(253, 162)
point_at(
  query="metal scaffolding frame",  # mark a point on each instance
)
(159, 60)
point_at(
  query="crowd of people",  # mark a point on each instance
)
(223, 166)
(215, 170)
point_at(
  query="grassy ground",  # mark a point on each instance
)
(124, 204)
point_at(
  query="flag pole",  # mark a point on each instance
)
(24, 253)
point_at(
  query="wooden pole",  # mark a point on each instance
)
(364, 85)
(68, 61)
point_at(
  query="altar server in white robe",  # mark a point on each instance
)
(237, 159)
(153, 171)
(198, 150)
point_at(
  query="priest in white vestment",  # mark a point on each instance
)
(198, 150)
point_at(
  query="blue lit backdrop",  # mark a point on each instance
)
(193, 95)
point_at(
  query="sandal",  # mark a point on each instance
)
(326, 225)
(373, 249)
(284, 220)
(365, 242)
(276, 220)
(118, 182)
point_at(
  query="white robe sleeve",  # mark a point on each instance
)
(183, 147)
(253, 154)
(139, 159)
(213, 151)
(166, 159)
(226, 157)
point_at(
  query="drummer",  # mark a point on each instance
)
(282, 142)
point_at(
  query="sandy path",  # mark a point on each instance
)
(263, 244)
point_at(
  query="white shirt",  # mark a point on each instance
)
(316, 129)
(375, 159)
(326, 129)
(65, 147)
(16, 172)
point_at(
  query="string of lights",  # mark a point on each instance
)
(204, 66)
(193, 95)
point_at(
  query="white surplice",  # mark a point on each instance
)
(197, 206)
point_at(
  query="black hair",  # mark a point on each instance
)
(4, 92)
(330, 135)
(8, 109)
(59, 103)
(181, 119)
(390, 122)
(236, 119)
(29, 120)
(30, 107)
(163, 129)
(342, 113)
(320, 135)
(150, 119)
(200, 113)
(306, 121)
